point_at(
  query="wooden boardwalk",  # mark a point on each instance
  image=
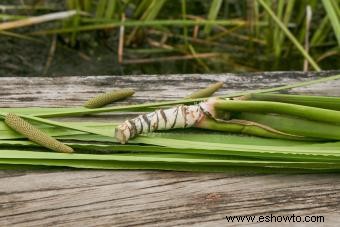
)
(156, 198)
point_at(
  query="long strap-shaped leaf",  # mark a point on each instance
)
(88, 164)
(306, 112)
(170, 159)
(325, 102)
(161, 151)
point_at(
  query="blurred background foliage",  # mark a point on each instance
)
(88, 37)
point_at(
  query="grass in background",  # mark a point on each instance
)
(217, 35)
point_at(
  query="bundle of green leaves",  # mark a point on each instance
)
(254, 131)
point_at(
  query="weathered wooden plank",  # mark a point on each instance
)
(155, 198)
(160, 198)
(73, 91)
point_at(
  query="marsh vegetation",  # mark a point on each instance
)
(78, 37)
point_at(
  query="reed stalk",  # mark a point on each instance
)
(36, 20)
(289, 35)
(137, 23)
(331, 10)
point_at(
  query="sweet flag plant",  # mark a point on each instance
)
(254, 131)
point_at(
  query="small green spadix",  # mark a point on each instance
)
(205, 92)
(108, 97)
(34, 134)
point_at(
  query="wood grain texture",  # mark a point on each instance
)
(67, 197)
(74, 91)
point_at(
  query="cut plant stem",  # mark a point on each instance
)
(306, 100)
(293, 125)
(206, 92)
(108, 97)
(307, 112)
(34, 134)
